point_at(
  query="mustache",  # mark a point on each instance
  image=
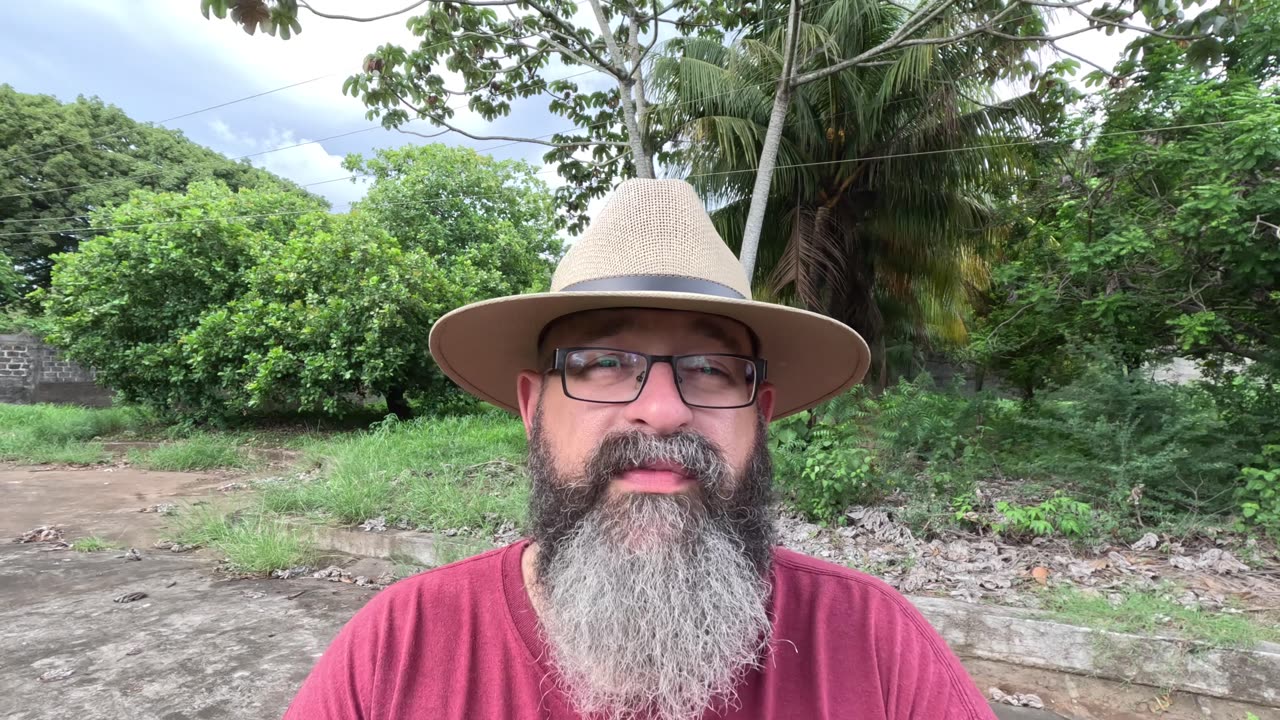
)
(701, 459)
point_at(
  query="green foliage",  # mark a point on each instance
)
(438, 473)
(62, 434)
(491, 220)
(820, 466)
(1148, 613)
(12, 283)
(200, 452)
(92, 543)
(251, 542)
(123, 303)
(1058, 515)
(54, 158)
(1128, 442)
(340, 309)
(1259, 498)
(1157, 233)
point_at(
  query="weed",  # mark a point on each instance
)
(92, 543)
(199, 452)
(251, 542)
(62, 434)
(434, 473)
(1145, 612)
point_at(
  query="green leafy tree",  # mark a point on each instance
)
(492, 220)
(871, 218)
(59, 162)
(338, 310)
(1161, 234)
(123, 302)
(12, 282)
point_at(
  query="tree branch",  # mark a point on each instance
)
(1125, 26)
(317, 13)
(510, 138)
(1085, 60)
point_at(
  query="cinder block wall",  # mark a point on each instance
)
(33, 372)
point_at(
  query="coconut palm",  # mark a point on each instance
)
(880, 208)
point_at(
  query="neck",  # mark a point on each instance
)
(529, 571)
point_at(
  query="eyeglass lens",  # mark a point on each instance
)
(709, 380)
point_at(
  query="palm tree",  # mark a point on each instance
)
(880, 208)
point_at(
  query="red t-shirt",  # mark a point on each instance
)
(462, 641)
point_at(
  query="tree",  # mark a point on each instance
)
(882, 205)
(12, 282)
(60, 162)
(493, 220)
(122, 303)
(1156, 230)
(339, 310)
(492, 54)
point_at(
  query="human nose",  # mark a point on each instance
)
(659, 405)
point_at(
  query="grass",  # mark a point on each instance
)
(92, 543)
(433, 473)
(41, 434)
(252, 542)
(199, 452)
(1148, 613)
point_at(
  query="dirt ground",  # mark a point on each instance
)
(198, 645)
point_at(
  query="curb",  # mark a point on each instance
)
(985, 632)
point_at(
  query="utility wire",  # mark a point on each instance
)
(175, 117)
(890, 156)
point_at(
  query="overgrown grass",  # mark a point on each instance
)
(92, 543)
(251, 542)
(199, 452)
(1148, 613)
(62, 434)
(435, 473)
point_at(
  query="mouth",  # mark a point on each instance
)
(657, 478)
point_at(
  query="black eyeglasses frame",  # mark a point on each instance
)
(562, 354)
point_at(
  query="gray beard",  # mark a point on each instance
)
(652, 606)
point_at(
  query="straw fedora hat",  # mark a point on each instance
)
(651, 246)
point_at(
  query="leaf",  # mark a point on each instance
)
(1040, 574)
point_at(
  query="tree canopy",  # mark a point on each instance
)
(59, 162)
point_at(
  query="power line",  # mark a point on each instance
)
(175, 117)
(890, 156)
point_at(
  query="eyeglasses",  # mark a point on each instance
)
(704, 380)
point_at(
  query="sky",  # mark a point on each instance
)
(158, 59)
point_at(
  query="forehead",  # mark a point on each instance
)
(637, 324)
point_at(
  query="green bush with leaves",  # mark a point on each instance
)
(1259, 497)
(339, 310)
(821, 468)
(1058, 515)
(124, 301)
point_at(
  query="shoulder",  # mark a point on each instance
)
(861, 613)
(440, 589)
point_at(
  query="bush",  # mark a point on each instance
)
(1260, 497)
(1123, 440)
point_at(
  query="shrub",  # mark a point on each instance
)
(820, 467)
(1259, 498)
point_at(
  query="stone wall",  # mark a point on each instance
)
(33, 372)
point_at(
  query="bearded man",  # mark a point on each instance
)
(649, 586)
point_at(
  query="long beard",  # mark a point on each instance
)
(653, 606)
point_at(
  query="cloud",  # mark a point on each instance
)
(306, 164)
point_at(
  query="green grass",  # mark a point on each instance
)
(1148, 613)
(435, 473)
(92, 543)
(42, 434)
(252, 542)
(199, 452)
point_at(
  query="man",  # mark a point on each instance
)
(650, 586)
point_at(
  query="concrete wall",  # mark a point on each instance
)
(33, 372)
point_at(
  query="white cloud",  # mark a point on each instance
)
(306, 164)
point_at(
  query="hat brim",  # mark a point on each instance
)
(483, 346)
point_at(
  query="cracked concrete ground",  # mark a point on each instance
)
(195, 647)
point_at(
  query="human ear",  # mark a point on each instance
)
(528, 393)
(764, 400)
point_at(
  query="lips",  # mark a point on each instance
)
(658, 478)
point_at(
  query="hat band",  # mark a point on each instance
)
(655, 283)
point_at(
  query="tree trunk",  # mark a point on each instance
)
(769, 150)
(397, 403)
